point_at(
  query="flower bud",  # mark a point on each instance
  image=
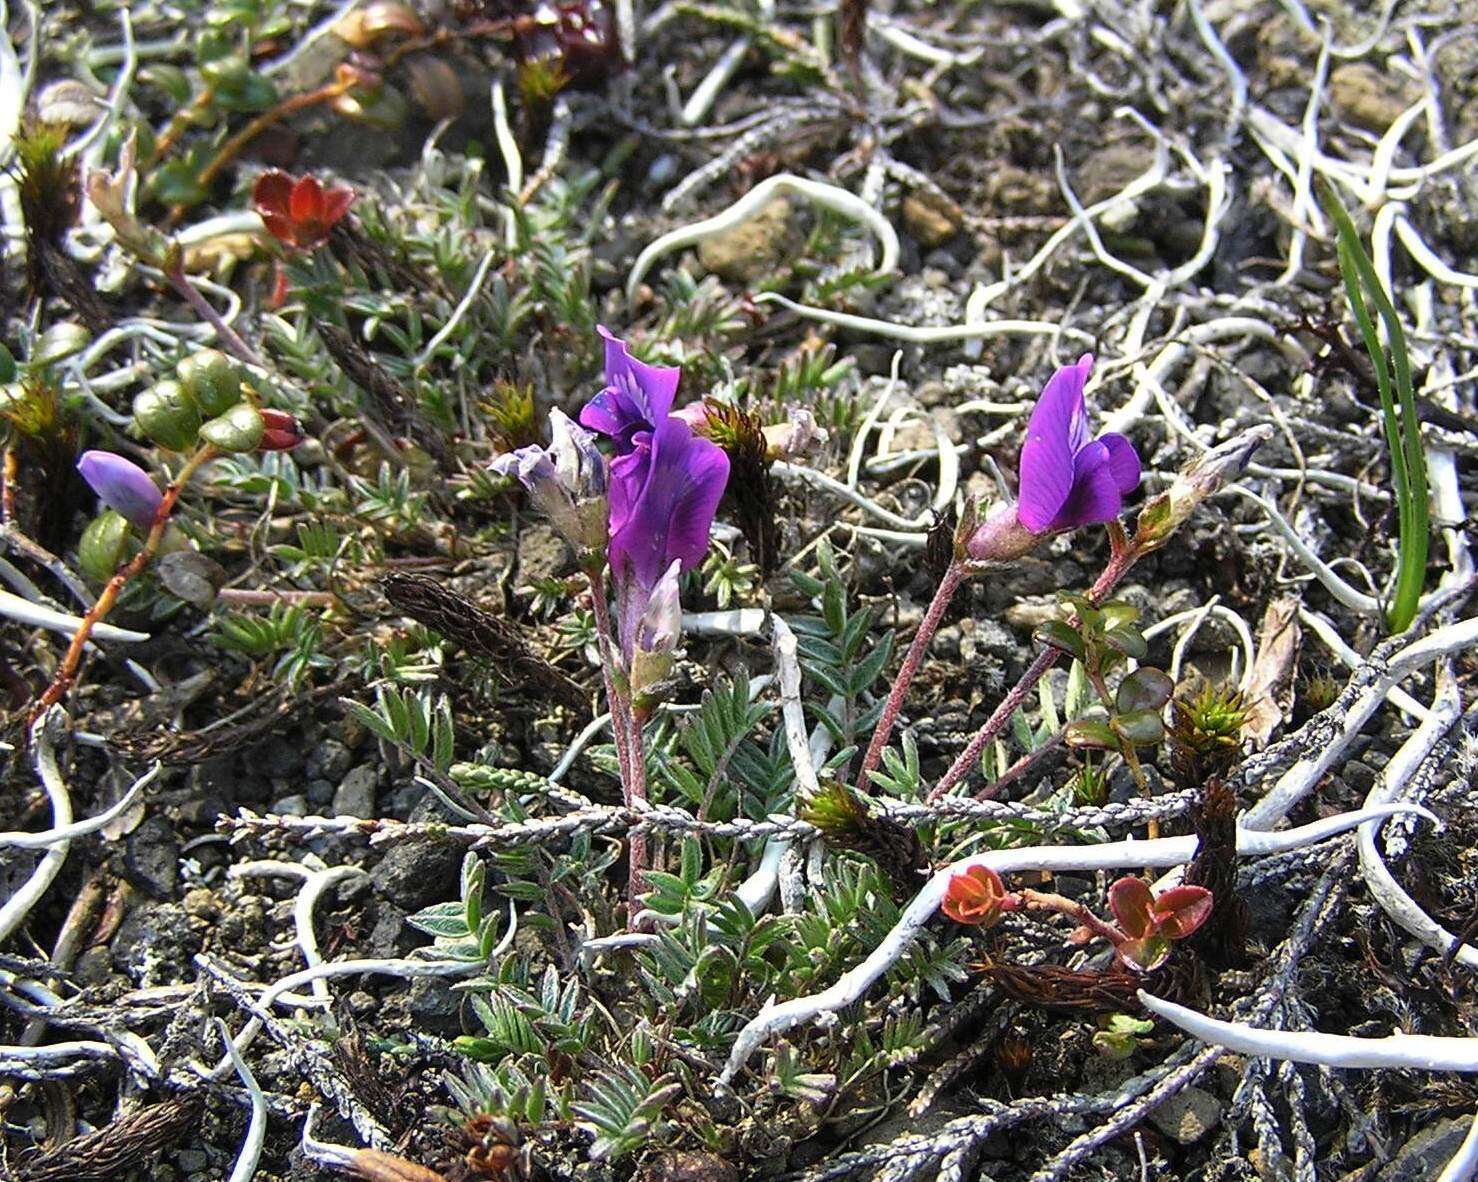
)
(122, 485)
(239, 429)
(168, 415)
(1001, 537)
(212, 379)
(799, 435)
(657, 634)
(1162, 515)
(103, 546)
(281, 432)
(567, 481)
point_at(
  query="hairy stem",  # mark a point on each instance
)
(1122, 556)
(914, 658)
(627, 731)
(174, 271)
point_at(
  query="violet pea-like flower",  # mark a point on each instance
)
(1066, 479)
(637, 396)
(664, 494)
(123, 486)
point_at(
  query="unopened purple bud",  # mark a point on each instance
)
(662, 623)
(578, 461)
(122, 485)
(657, 634)
(797, 436)
(1001, 537)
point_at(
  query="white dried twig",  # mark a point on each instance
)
(29, 893)
(1418, 1052)
(1399, 770)
(50, 837)
(838, 200)
(250, 1154)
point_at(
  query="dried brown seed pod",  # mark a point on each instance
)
(366, 27)
(434, 87)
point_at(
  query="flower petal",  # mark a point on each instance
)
(663, 497)
(1053, 434)
(637, 395)
(1095, 495)
(272, 192)
(121, 485)
(1123, 461)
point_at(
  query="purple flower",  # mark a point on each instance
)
(663, 497)
(122, 485)
(1067, 480)
(665, 485)
(637, 396)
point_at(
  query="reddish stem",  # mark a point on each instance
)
(230, 339)
(1122, 556)
(627, 732)
(615, 702)
(636, 791)
(912, 660)
(1052, 901)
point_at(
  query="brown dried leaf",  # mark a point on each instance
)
(1269, 693)
(116, 1149)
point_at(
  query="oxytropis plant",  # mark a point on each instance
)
(637, 519)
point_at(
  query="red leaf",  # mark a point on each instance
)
(1180, 910)
(1131, 902)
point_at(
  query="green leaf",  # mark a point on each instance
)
(834, 607)
(1060, 634)
(1143, 728)
(1091, 733)
(175, 183)
(1144, 689)
(1128, 641)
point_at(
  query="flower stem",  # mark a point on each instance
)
(66, 673)
(174, 271)
(627, 731)
(636, 790)
(615, 702)
(1123, 554)
(914, 658)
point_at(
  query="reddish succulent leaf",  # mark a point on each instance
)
(1133, 906)
(1180, 910)
(299, 213)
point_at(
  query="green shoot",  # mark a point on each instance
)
(1403, 433)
